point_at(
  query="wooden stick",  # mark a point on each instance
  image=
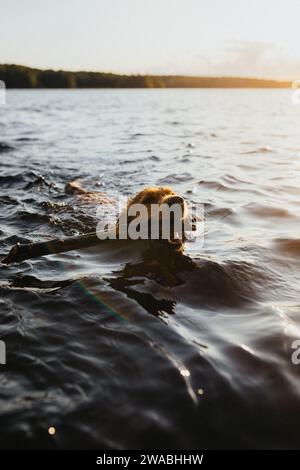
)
(22, 252)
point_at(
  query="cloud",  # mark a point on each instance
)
(238, 58)
(255, 59)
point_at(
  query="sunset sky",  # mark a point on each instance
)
(193, 37)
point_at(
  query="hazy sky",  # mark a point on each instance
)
(212, 37)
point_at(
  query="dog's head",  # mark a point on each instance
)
(153, 203)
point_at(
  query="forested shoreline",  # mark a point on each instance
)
(18, 76)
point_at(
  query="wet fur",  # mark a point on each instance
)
(147, 197)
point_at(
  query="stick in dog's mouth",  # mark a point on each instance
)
(150, 201)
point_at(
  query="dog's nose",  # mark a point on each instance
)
(175, 200)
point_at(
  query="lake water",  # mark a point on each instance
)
(100, 347)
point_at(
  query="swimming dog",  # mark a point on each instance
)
(150, 201)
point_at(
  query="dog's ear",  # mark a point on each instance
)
(167, 191)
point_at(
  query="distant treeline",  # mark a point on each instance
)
(18, 76)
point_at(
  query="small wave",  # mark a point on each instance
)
(155, 158)
(267, 211)
(173, 123)
(234, 180)
(39, 182)
(34, 217)
(23, 177)
(230, 283)
(173, 179)
(32, 282)
(14, 239)
(26, 139)
(5, 147)
(212, 185)
(9, 180)
(219, 211)
(131, 161)
(8, 200)
(288, 245)
(138, 134)
(259, 150)
(185, 157)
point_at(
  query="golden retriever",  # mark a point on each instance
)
(148, 197)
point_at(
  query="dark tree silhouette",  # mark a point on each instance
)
(18, 76)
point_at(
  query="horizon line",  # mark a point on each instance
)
(141, 74)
